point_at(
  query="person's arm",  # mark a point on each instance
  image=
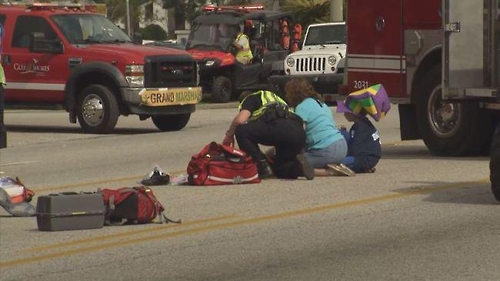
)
(240, 43)
(239, 119)
(237, 46)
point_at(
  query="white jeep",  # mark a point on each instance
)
(324, 47)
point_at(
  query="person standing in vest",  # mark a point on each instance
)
(266, 119)
(242, 45)
(3, 131)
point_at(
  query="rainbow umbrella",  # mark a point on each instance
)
(372, 101)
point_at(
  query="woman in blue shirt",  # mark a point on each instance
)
(325, 146)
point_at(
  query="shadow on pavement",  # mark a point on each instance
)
(472, 193)
(74, 130)
(401, 151)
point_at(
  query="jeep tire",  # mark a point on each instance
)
(168, 123)
(221, 90)
(97, 110)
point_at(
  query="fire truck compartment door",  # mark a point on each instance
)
(374, 49)
(463, 49)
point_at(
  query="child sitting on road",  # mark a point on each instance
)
(363, 141)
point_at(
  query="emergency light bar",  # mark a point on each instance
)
(52, 5)
(245, 8)
(66, 5)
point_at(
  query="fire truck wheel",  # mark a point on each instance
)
(447, 128)
(168, 123)
(98, 110)
(495, 163)
(221, 90)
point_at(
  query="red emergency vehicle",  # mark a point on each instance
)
(69, 55)
(438, 60)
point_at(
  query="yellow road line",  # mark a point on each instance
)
(128, 233)
(40, 190)
(221, 226)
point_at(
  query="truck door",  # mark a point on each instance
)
(375, 45)
(464, 51)
(33, 77)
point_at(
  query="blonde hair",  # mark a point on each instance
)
(297, 90)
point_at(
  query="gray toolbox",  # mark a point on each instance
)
(70, 211)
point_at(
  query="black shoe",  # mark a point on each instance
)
(305, 169)
(156, 177)
(264, 169)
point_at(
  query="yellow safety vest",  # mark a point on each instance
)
(2, 73)
(268, 99)
(246, 52)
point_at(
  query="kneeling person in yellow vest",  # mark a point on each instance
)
(242, 45)
(266, 119)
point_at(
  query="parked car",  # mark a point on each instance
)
(320, 60)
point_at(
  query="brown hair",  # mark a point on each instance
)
(297, 90)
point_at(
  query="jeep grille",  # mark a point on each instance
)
(310, 65)
(169, 71)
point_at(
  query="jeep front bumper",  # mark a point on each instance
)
(322, 83)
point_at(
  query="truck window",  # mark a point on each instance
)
(327, 34)
(25, 25)
(2, 19)
(89, 28)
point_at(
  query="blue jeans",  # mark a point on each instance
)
(349, 162)
(332, 154)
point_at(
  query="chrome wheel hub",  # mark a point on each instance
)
(93, 110)
(444, 116)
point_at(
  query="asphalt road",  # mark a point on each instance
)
(418, 217)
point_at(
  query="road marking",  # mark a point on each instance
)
(61, 187)
(128, 233)
(17, 163)
(85, 184)
(300, 212)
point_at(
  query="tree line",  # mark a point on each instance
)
(181, 11)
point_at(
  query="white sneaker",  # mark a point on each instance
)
(340, 170)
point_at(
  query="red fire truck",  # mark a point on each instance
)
(439, 60)
(65, 54)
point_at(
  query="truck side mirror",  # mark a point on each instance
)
(38, 44)
(137, 38)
